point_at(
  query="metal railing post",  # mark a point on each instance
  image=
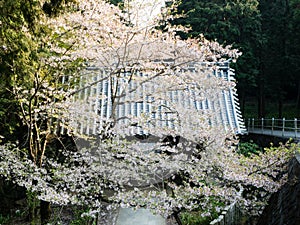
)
(283, 126)
(252, 124)
(295, 127)
(272, 128)
(262, 125)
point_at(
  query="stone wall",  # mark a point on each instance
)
(284, 206)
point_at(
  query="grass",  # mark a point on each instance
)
(4, 219)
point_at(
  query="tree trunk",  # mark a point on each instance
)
(261, 101)
(298, 98)
(45, 212)
(261, 90)
(280, 107)
(177, 218)
(33, 206)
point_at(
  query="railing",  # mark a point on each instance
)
(231, 215)
(275, 127)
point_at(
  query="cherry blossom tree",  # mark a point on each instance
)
(110, 168)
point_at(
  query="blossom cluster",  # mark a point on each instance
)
(126, 172)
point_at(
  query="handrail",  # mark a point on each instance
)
(231, 214)
(286, 127)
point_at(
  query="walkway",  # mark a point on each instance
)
(276, 133)
(127, 216)
(275, 127)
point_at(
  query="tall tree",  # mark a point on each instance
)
(29, 79)
(280, 54)
(294, 50)
(274, 52)
(17, 53)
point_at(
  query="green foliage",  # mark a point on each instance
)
(115, 2)
(25, 69)
(194, 218)
(55, 7)
(18, 55)
(81, 218)
(248, 148)
(32, 204)
(280, 54)
(4, 219)
(200, 217)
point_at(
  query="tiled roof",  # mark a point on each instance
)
(134, 100)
